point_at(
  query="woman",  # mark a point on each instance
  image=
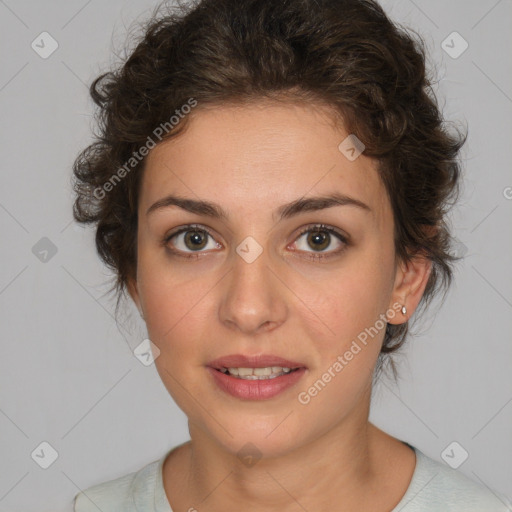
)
(270, 186)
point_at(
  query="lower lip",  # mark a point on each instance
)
(255, 389)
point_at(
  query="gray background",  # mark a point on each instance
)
(68, 375)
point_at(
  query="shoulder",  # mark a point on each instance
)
(132, 492)
(436, 486)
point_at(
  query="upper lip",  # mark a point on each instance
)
(259, 361)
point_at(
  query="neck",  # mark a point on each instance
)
(338, 466)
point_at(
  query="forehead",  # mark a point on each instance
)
(235, 155)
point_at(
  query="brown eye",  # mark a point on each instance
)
(319, 238)
(195, 240)
(190, 239)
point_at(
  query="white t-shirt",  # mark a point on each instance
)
(434, 487)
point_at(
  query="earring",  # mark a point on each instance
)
(404, 310)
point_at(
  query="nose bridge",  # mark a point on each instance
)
(253, 297)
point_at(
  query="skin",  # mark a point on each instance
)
(251, 159)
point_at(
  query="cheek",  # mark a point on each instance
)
(346, 332)
(176, 319)
(172, 310)
(337, 306)
(174, 302)
(164, 292)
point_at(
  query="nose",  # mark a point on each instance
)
(253, 297)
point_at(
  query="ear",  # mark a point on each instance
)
(410, 281)
(133, 291)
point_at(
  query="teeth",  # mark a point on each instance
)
(270, 372)
(260, 372)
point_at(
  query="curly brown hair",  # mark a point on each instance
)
(343, 53)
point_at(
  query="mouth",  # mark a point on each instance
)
(265, 373)
(255, 377)
(256, 362)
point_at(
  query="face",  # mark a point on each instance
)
(307, 284)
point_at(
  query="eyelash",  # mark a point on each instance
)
(307, 229)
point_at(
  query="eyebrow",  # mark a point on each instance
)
(286, 211)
